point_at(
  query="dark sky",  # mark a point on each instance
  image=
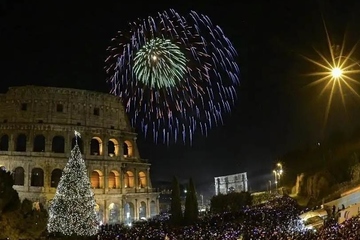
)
(63, 44)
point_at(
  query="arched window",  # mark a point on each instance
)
(111, 149)
(114, 179)
(96, 179)
(20, 143)
(55, 177)
(39, 143)
(127, 149)
(58, 144)
(142, 210)
(112, 182)
(129, 212)
(114, 213)
(142, 180)
(4, 143)
(37, 177)
(94, 147)
(18, 176)
(80, 143)
(153, 211)
(129, 179)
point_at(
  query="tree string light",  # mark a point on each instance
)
(72, 211)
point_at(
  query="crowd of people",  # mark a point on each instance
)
(275, 220)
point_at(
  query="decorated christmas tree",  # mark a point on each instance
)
(72, 211)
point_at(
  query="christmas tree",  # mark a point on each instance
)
(72, 211)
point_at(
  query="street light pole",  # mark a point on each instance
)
(270, 186)
(277, 174)
(275, 178)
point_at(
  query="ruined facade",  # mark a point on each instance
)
(37, 134)
(231, 183)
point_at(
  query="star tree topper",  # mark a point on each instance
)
(77, 134)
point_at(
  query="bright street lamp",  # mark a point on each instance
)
(275, 178)
(336, 73)
(269, 186)
(277, 174)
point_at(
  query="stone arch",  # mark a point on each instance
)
(58, 144)
(114, 213)
(20, 145)
(37, 177)
(96, 146)
(142, 210)
(114, 179)
(55, 177)
(129, 212)
(80, 143)
(113, 147)
(99, 209)
(19, 176)
(129, 179)
(96, 179)
(142, 180)
(4, 143)
(153, 212)
(39, 143)
(128, 149)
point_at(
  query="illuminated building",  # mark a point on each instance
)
(231, 183)
(37, 133)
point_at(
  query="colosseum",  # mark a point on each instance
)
(36, 136)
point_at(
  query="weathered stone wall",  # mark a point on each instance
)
(77, 107)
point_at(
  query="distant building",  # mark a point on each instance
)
(231, 183)
(164, 189)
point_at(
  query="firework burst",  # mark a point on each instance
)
(176, 75)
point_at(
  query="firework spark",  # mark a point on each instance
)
(176, 75)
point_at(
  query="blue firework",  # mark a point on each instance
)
(175, 74)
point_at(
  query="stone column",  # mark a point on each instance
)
(68, 142)
(48, 143)
(136, 210)
(105, 147)
(122, 218)
(86, 145)
(157, 206)
(122, 181)
(106, 179)
(106, 212)
(47, 176)
(121, 149)
(147, 208)
(29, 140)
(136, 180)
(29, 177)
(148, 179)
(11, 142)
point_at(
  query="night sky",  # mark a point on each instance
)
(63, 44)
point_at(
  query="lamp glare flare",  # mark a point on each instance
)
(337, 72)
(278, 172)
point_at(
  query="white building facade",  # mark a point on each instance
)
(231, 183)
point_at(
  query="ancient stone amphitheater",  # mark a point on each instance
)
(37, 133)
